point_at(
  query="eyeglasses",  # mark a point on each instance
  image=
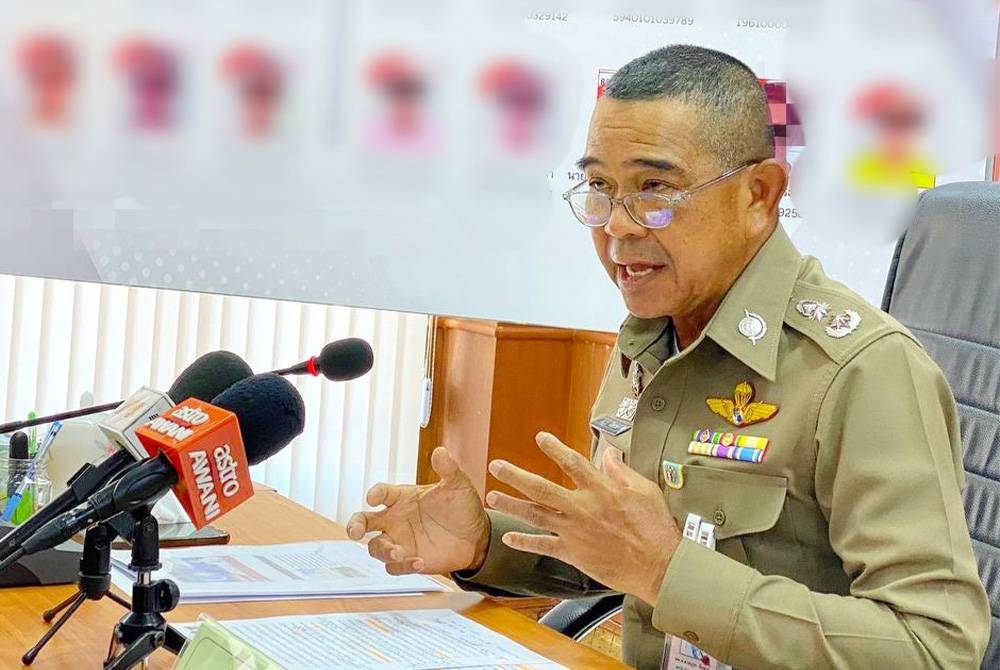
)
(650, 210)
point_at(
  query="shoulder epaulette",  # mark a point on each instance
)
(838, 320)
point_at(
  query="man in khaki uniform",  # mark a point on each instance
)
(809, 431)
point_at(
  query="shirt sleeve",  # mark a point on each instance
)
(508, 572)
(888, 478)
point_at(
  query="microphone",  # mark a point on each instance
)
(136, 410)
(17, 450)
(207, 377)
(338, 361)
(198, 449)
(198, 376)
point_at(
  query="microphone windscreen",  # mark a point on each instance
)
(209, 376)
(345, 359)
(270, 411)
(18, 447)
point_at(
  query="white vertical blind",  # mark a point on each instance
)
(59, 339)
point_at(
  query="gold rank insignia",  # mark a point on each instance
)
(742, 410)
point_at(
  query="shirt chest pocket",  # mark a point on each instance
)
(739, 504)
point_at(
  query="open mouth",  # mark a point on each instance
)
(631, 275)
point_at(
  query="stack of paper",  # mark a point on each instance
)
(401, 640)
(277, 571)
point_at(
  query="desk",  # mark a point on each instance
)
(267, 518)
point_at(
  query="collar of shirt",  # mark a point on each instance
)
(763, 290)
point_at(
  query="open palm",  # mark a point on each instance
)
(433, 528)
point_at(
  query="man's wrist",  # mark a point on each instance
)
(482, 547)
(659, 573)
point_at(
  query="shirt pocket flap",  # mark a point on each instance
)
(738, 503)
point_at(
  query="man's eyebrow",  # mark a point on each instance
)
(656, 164)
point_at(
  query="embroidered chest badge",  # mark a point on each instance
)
(742, 410)
(673, 475)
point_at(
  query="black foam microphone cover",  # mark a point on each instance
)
(18, 447)
(208, 376)
(270, 411)
(346, 359)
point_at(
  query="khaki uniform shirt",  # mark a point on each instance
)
(847, 545)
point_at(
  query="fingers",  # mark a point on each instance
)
(578, 468)
(613, 465)
(445, 466)
(361, 523)
(544, 545)
(537, 488)
(384, 494)
(529, 512)
(383, 549)
(406, 567)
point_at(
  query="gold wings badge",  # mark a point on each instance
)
(742, 410)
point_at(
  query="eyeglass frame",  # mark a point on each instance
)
(672, 200)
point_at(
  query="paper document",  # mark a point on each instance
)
(400, 640)
(277, 571)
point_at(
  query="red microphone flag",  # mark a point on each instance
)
(204, 445)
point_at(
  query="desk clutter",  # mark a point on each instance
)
(393, 640)
(274, 572)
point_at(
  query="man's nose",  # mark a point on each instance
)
(622, 225)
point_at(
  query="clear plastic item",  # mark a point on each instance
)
(13, 472)
(210, 645)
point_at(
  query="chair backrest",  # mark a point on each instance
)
(944, 285)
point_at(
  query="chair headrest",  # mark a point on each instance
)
(947, 277)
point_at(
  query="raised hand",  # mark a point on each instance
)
(433, 529)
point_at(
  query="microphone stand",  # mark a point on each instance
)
(93, 583)
(12, 426)
(85, 482)
(144, 630)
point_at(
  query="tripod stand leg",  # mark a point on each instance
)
(118, 599)
(74, 605)
(49, 615)
(174, 641)
(136, 652)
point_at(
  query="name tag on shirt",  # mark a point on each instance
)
(610, 425)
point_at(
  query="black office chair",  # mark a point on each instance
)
(579, 617)
(944, 285)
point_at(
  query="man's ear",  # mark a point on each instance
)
(768, 181)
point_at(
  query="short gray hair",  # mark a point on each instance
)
(736, 123)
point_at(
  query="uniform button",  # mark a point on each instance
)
(719, 517)
(658, 404)
(691, 636)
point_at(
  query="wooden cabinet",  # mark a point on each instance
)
(497, 384)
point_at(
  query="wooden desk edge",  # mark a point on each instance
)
(267, 518)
